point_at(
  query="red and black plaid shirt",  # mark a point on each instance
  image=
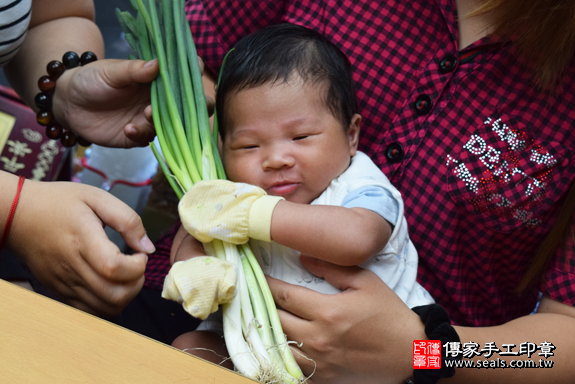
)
(481, 158)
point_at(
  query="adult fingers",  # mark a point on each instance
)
(300, 301)
(104, 296)
(121, 73)
(305, 362)
(121, 218)
(84, 307)
(116, 299)
(148, 114)
(107, 262)
(299, 331)
(341, 277)
(139, 132)
(294, 326)
(85, 289)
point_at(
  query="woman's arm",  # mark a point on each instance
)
(554, 322)
(365, 333)
(343, 236)
(58, 227)
(56, 26)
(106, 102)
(58, 230)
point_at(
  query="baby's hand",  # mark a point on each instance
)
(228, 211)
(201, 284)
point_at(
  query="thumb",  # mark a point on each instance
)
(121, 73)
(121, 218)
(340, 277)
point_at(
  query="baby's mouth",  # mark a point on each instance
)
(281, 189)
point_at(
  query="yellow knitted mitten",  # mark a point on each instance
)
(201, 284)
(228, 211)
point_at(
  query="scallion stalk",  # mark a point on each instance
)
(252, 330)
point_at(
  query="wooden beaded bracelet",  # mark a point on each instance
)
(43, 100)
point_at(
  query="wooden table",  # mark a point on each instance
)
(44, 341)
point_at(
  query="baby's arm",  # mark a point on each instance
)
(185, 246)
(343, 236)
(205, 344)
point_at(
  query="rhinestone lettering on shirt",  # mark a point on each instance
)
(509, 181)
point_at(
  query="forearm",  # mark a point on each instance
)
(343, 236)
(57, 26)
(557, 329)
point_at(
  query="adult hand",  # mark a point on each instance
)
(362, 335)
(107, 102)
(58, 230)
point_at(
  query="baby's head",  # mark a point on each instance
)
(286, 112)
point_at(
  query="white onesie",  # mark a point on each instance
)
(395, 264)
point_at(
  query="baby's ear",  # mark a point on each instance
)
(353, 133)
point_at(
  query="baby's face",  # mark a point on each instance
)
(284, 139)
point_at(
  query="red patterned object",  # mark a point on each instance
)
(24, 149)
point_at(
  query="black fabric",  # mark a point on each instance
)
(437, 327)
(155, 317)
(12, 268)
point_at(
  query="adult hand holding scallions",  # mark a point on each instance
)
(252, 330)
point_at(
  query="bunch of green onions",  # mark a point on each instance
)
(252, 330)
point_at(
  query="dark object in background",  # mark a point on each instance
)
(155, 317)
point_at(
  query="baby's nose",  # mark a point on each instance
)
(278, 159)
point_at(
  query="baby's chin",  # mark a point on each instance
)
(301, 198)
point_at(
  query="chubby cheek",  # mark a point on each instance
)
(317, 178)
(239, 170)
(320, 181)
(320, 173)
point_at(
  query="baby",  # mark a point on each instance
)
(288, 123)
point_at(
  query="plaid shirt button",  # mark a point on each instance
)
(394, 153)
(447, 64)
(423, 104)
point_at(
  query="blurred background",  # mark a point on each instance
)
(116, 47)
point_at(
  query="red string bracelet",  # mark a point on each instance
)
(12, 211)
